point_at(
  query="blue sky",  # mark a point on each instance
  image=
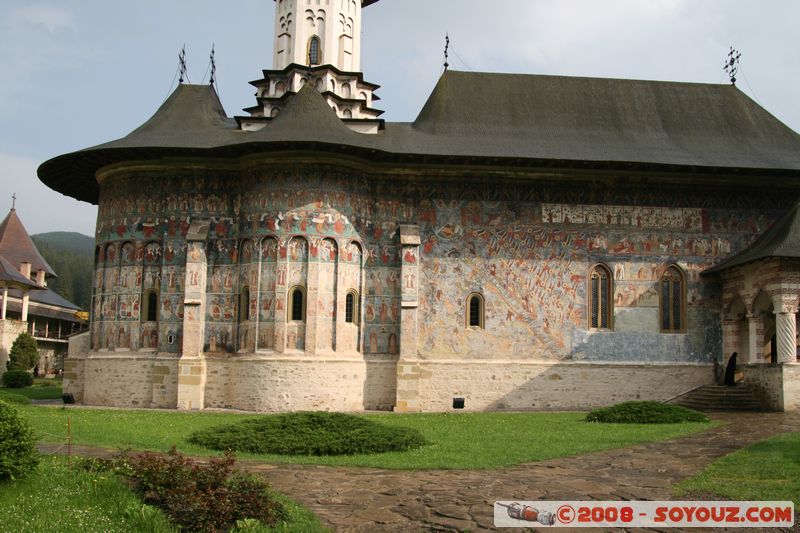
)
(76, 73)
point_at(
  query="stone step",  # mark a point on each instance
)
(720, 398)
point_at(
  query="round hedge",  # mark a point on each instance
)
(647, 412)
(17, 379)
(310, 433)
(18, 455)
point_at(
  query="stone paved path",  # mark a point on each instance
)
(375, 500)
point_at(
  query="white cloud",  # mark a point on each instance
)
(49, 16)
(40, 208)
(37, 41)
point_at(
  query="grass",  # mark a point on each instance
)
(12, 397)
(39, 392)
(57, 498)
(42, 389)
(457, 441)
(767, 470)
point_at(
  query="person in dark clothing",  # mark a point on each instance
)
(730, 371)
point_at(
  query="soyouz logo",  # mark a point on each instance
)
(643, 514)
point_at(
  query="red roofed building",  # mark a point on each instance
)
(26, 303)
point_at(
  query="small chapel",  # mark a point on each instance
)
(558, 243)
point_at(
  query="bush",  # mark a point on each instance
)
(200, 497)
(17, 379)
(24, 354)
(309, 434)
(645, 413)
(18, 455)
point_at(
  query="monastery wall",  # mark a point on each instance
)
(526, 247)
(9, 331)
(431, 386)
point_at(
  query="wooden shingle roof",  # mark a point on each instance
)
(523, 120)
(16, 246)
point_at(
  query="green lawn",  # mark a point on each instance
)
(767, 470)
(38, 392)
(461, 441)
(56, 498)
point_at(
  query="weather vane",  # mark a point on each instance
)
(446, 49)
(182, 61)
(213, 67)
(732, 64)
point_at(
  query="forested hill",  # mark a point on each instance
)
(72, 257)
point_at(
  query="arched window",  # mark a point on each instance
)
(351, 307)
(151, 307)
(601, 311)
(475, 311)
(297, 304)
(672, 296)
(244, 305)
(314, 51)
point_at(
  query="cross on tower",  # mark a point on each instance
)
(13, 200)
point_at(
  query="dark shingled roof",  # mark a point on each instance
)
(16, 246)
(780, 240)
(47, 297)
(524, 120)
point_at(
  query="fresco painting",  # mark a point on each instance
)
(525, 247)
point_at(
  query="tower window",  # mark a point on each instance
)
(297, 304)
(600, 307)
(314, 51)
(351, 307)
(672, 292)
(475, 311)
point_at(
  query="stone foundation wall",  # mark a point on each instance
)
(430, 386)
(270, 384)
(766, 380)
(123, 380)
(9, 331)
(791, 387)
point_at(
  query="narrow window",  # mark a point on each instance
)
(600, 307)
(672, 296)
(244, 305)
(314, 51)
(151, 308)
(297, 307)
(475, 311)
(351, 307)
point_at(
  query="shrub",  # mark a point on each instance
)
(200, 497)
(309, 434)
(24, 354)
(645, 413)
(17, 379)
(18, 455)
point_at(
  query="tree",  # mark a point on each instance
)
(24, 355)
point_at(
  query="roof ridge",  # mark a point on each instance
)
(17, 247)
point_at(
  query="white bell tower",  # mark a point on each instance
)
(318, 42)
(318, 32)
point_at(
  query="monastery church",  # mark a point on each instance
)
(558, 243)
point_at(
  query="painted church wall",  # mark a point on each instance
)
(525, 247)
